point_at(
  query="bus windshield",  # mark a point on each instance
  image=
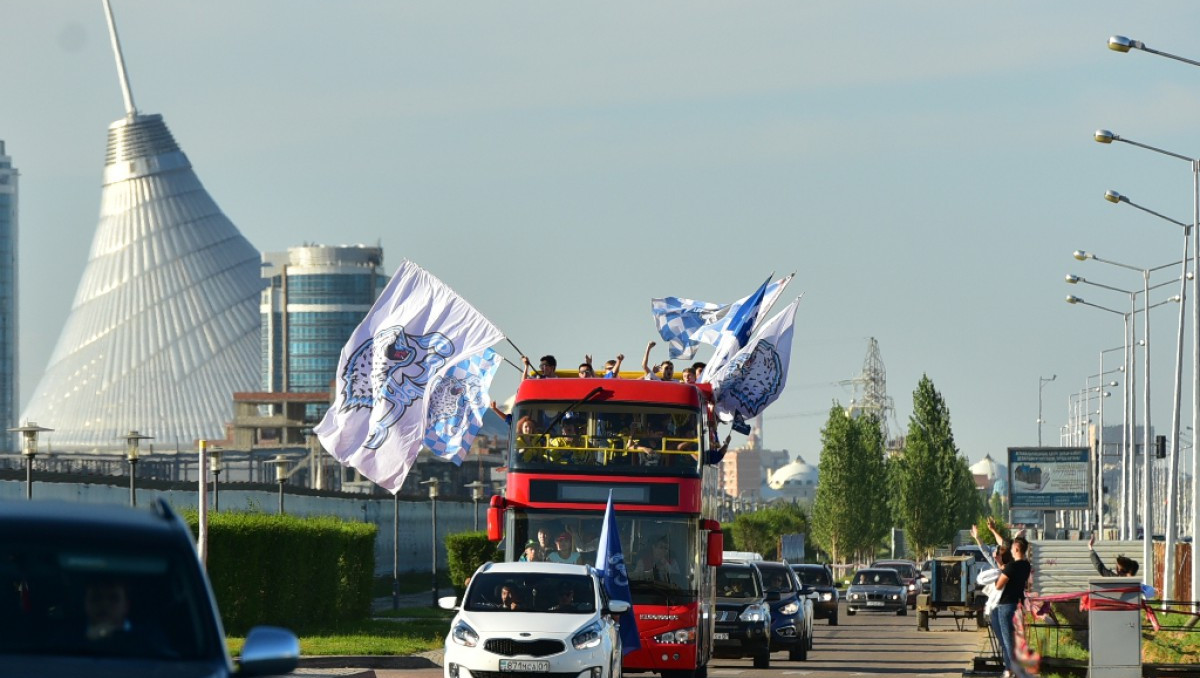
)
(605, 438)
(662, 554)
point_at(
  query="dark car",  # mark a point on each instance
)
(743, 615)
(877, 589)
(791, 610)
(910, 575)
(104, 591)
(820, 579)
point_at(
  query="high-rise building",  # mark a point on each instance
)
(164, 327)
(9, 390)
(315, 297)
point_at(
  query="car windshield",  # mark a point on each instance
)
(105, 600)
(531, 592)
(813, 576)
(907, 571)
(662, 553)
(877, 578)
(737, 582)
(605, 439)
(775, 579)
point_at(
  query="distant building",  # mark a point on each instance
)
(9, 386)
(315, 296)
(795, 481)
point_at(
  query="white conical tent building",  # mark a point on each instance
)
(165, 323)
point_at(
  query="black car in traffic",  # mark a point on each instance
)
(820, 579)
(104, 591)
(743, 615)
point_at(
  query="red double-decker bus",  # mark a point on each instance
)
(575, 440)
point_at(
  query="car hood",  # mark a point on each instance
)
(542, 624)
(877, 588)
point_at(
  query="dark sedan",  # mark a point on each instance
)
(910, 575)
(877, 589)
(820, 579)
(743, 616)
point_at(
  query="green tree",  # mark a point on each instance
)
(850, 512)
(760, 531)
(933, 490)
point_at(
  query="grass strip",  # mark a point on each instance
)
(367, 637)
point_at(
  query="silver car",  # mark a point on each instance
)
(877, 589)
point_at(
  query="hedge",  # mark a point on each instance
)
(287, 571)
(465, 552)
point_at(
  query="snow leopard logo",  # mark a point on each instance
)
(390, 371)
(450, 401)
(751, 379)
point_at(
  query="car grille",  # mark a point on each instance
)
(877, 596)
(508, 647)
(726, 615)
(518, 674)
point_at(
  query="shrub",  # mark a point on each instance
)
(465, 552)
(288, 571)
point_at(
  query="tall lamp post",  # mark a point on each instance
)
(29, 449)
(131, 455)
(476, 488)
(214, 465)
(1042, 381)
(1120, 43)
(433, 494)
(1130, 494)
(1100, 437)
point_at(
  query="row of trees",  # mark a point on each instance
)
(927, 489)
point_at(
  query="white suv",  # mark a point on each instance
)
(523, 618)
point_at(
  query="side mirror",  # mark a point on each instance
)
(618, 607)
(495, 518)
(716, 549)
(269, 651)
(448, 603)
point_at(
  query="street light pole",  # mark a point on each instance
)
(1042, 381)
(433, 494)
(1120, 43)
(131, 455)
(29, 449)
(476, 488)
(281, 474)
(214, 465)
(1100, 442)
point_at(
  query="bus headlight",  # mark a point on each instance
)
(677, 637)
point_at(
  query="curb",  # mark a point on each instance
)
(427, 660)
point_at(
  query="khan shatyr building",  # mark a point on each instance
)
(165, 323)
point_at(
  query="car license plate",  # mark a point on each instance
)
(874, 603)
(525, 665)
(720, 636)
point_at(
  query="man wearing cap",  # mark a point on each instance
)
(564, 550)
(533, 552)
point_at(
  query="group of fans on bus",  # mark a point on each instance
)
(664, 371)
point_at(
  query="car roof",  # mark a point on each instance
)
(523, 567)
(888, 563)
(876, 569)
(737, 564)
(808, 566)
(75, 519)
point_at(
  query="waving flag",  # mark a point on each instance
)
(754, 376)
(610, 562)
(686, 323)
(457, 400)
(416, 328)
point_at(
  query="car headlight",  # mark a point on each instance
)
(755, 613)
(588, 637)
(790, 609)
(827, 596)
(464, 635)
(895, 596)
(677, 637)
(912, 587)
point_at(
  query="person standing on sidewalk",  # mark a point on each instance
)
(1012, 581)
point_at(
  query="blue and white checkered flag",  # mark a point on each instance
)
(457, 400)
(685, 323)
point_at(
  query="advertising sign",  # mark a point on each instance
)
(1049, 478)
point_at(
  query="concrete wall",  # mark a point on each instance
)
(415, 522)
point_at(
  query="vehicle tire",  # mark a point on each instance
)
(850, 611)
(762, 660)
(700, 672)
(799, 651)
(833, 619)
(923, 620)
(902, 612)
(980, 620)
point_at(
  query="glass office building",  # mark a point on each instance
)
(315, 297)
(9, 391)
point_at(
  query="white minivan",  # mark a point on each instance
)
(529, 617)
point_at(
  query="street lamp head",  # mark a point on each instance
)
(1104, 136)
(281, 473)
(214, 459)
(29, 435)
(1114, 197)
(1083, 256)
(1072, 299)
(1112, 383)
(1120, 43)
(1072, 279)
(476, 488)
(433, 487)
(132, 440)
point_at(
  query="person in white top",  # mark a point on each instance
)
(564, 550)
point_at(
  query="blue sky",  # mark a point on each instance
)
(926, 168)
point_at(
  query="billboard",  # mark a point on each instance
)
(1049, 478)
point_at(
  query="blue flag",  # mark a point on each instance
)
(610, 562)
(743, 320)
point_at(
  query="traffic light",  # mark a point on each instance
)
(1160, 447)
